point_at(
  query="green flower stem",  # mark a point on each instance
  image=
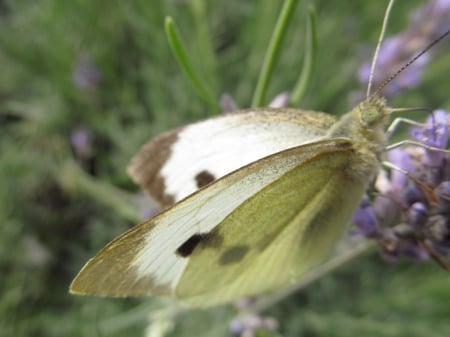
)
(74, 179)
(308, 60)
(273, 52)
(179, 51)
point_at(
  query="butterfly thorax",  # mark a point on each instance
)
(364, 126)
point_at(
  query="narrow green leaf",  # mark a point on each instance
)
(273, 51)
(72, 178)
(206, 50)
(179, 51)
(309, 58)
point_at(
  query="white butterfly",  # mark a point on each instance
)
(255, 229)
(277, 190)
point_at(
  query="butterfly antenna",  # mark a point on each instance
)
(377, 50)
(414, 59)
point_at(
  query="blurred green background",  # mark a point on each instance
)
(84, 83)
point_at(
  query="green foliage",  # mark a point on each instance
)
(107, 67)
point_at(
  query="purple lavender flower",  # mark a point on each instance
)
(426, 24)
(365, 219)
(435, 134)
(410, 216)
(389, 62)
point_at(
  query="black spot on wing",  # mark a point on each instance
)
(233, 254)
(188, 246)
(207, 240)
(204, 178)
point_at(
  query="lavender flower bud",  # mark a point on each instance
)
(417, 214)
(442, 193)
(365, 219)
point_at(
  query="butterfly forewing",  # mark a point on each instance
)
(150, 258)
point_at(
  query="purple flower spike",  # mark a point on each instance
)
(401, 158)
(436, 131)
(442, 122)
(434, 134)
(426, 24)
(411, 215)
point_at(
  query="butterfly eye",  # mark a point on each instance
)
(370, 115)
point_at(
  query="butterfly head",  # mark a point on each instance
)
(364, 123)
(373, 112)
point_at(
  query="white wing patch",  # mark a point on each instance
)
(221, 145)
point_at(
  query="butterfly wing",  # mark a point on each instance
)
(176, 163)
(276, 235)
(217, 234)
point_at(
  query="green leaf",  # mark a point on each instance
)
(180, 53)
(273, 52)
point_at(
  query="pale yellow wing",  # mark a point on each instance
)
(151, 258)
(272, 238)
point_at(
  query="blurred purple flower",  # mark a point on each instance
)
(248, 325)
(82, 142)
(410, 215)
(227, 103)
(401, 158)
(389, 61)
(427, 23)
(434, 134)
(86, 76)
(280, 101)
(365, 219)
(146, 206)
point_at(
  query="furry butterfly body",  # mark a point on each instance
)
(259, 227)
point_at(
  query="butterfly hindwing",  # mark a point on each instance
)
(152, 258)
(176, 163)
